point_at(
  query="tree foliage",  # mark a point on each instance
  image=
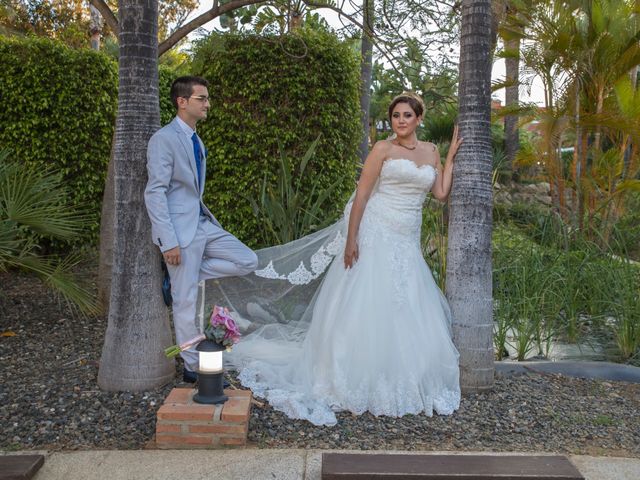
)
(586, 53)
(437, 88)
(64, 20)
(69, 20)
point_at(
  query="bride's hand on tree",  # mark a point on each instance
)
(350, 254)
(456, 141)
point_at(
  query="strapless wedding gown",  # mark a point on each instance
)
(379, 337)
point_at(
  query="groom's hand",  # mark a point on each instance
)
(172, 257)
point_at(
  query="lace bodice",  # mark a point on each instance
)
(395, 207)
(404, 184)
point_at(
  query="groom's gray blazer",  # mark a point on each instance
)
(172, 196)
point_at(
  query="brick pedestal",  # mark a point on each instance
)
(182, 423)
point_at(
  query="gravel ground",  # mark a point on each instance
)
(49, 399)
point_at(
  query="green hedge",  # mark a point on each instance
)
(58, 111)
(269, 89)
(59, 106)
(167, 110)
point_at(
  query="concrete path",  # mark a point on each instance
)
(251, 464)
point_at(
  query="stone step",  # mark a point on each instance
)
(19, 467)
(183, 423)
(358, 466)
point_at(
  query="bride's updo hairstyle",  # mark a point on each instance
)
(415, 102)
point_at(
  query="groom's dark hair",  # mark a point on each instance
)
(183, 87)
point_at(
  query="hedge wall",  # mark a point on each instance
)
(58, 110)
(59, 106)
(265, 89)
(166, 77)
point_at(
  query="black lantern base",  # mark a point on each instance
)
(210, 389)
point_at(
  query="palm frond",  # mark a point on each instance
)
(37, 200)
(36, 203)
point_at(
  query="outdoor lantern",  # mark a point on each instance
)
(210, 373)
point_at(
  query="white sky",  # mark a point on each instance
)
(537, 91)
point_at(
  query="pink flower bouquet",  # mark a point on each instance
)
(221, 329)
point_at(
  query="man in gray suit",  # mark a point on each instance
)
(194, 245)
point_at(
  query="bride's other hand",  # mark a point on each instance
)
(442, 186)
(350, 254)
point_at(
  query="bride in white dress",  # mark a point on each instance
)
(374, 334)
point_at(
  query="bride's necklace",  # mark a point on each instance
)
(408, 147)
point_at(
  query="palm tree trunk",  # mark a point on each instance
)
(365, 75)
(582, 191)
(559, 175)
(469, 288)
(633, 75)
(599, 107)
(547, 80)
(577, 149)
(138, 324)
(512, 99)
(562, 204)
(551, 166)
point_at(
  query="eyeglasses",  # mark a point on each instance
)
(201, 98)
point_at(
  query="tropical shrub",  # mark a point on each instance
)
(285, 212)
(433, 240)
(35, 201)
(267, 91)
(527, 293)
(622, 307)
(166, 77)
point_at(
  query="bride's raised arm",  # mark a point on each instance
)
(442, 186)
(368, 177)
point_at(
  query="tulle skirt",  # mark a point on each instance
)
(378, 340)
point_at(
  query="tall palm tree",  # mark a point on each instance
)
(552, 52)
(610, 35)
(511, 33)
(470, 217)
(609, 31)
(581, 48)
(138, 323)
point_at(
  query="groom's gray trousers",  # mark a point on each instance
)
(213, 253)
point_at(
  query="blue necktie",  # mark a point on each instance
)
(198, 154)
